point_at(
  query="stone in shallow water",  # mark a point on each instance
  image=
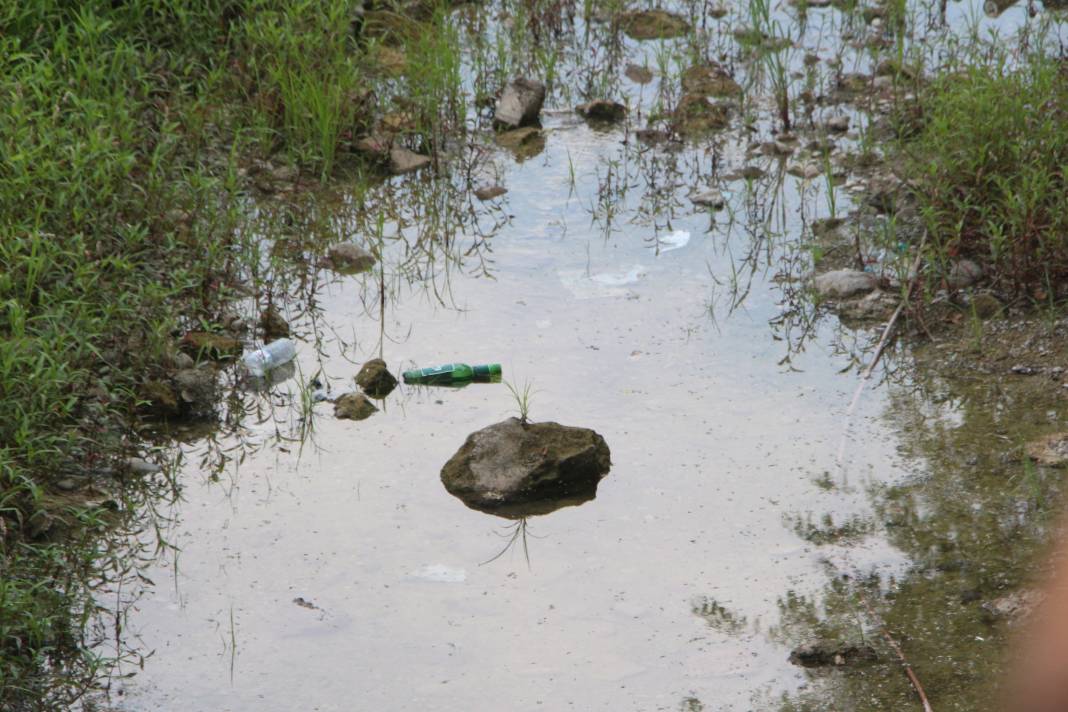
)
(160, 398)
(696, 114)
(520, 104)
(273, 324)
(348, 258)
(354, 406)
(375, 379)
(842, 283)
(141, 466)
(402, 161)
(1051, 450)
(652, 24)
(523, 143)
(490, 192)
(709, 199)
(218, 347)
(196, 386)
(827, 653)
(602, 110)
(838, 124)
(1013, 608)
(638, 74)
(710, 80)
(512, 464)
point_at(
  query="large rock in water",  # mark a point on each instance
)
(842, 283)
(520, 104)
(653, 24)
(510, 465)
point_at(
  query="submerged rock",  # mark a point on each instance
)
(876, 305)
(709, 199)
(512, 464)
(746, 173)
(709, 80)
(838, 124)
(273, 325)
(520, 104)
(602, 110)
(696, 114)
(777, 148)
(490, 192)
(1051, 450)
(160, 399)
(824, 228)
(638, 74)
(652, 24)
(375, 147)
(354, 406)
(140, 466)
(806, 171)
(375, 379)
(652, 136)
(827, 653)
(523, 143)
(197, 389)
(218, 347)
(1013, 608)
(348, 258)
(842, 283)
(402, 161)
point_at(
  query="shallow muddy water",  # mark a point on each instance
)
(323, 566)
(712, 444)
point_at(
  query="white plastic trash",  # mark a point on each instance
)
(673, 240)
(270, 357)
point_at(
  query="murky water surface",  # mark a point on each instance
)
(322, 564)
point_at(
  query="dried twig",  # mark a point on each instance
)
(897, 650)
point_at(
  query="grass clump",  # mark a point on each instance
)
(988, 171)
(307, 101)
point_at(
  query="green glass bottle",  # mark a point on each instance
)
(454, 373)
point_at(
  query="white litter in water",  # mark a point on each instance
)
(673, 240)
(584, 285)
(439, 573)
(619, 279)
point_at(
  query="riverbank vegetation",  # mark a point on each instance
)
(130, 134)
(984, 157)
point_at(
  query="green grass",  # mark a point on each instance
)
(101, 192)
(988, 164)
(522, 396)
(307, 100)
(124, 132)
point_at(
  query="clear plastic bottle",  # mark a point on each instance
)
(271, 356)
